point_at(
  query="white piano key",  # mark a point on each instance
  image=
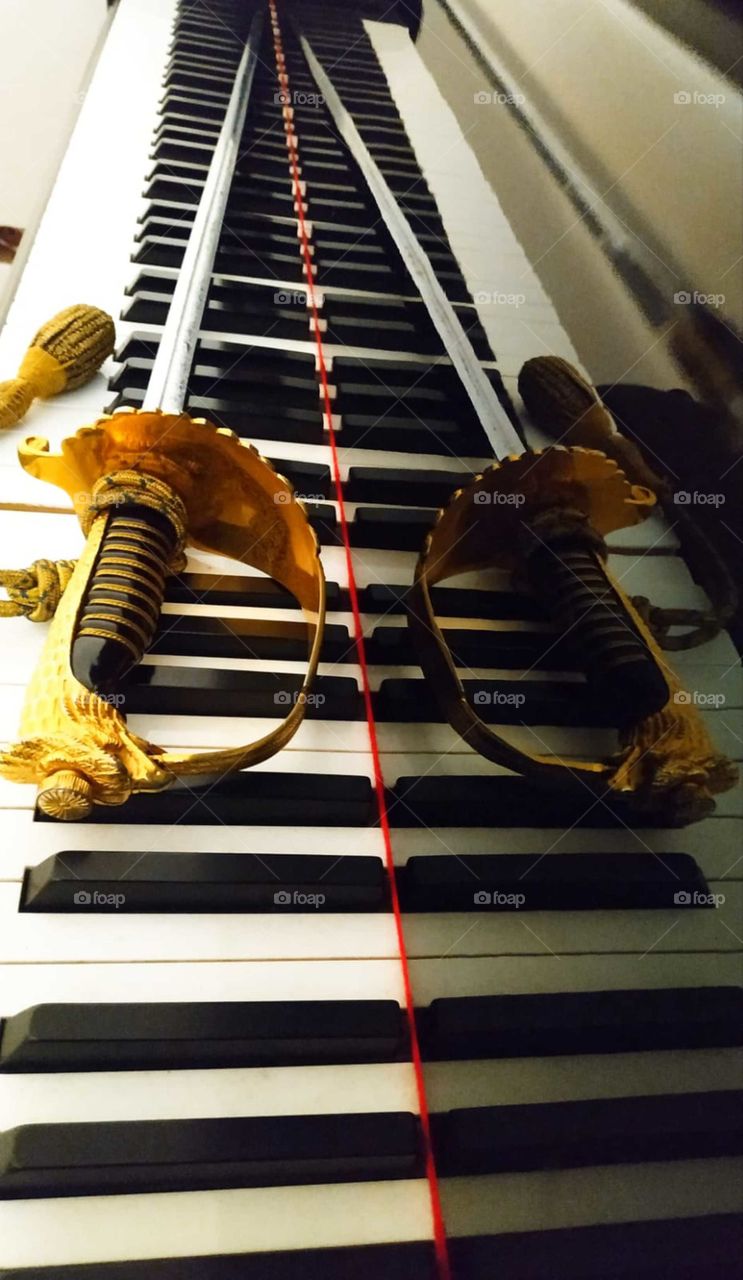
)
(562, 933)
(59, 938)
(181, 1224)
(575, 1077)
(321, 1090)
(27, 843)
(396, 739)
(714, 843)
(187, 1095)
(90, 982)
(528, 974)
(470, 211)
(54, 938)
(654, 532)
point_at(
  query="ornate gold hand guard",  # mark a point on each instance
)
(667, 768)
(76, 745)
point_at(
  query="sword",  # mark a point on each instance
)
(150, 479)
(122, 605)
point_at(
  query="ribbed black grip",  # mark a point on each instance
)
(572, 583)
(121, 608)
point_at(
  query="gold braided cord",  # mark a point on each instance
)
(148, 607)
(128, 578)
(140, 571)
(106, 635)
(121, 622)
(65, 353)
(137, 488)
(35, 592)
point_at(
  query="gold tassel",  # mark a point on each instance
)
(35, 592)
(66, 352)
(565, 406)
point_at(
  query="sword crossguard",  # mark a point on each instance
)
(223, 497)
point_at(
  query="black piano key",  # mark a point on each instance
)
(455, 602)
(392, 527)
(253, 798)
(599, 1131)
(240, 589)
(575, 1022)
(672, 1249)
(162, 690)
(242, 308)
(469, 647)
(506, 702)
(151, 307)
(153, 1037)
(392, 432)
(312, 480)
(191, 634)
(272, 382)
(503, 801)
(407, 1261)
(416, 383)
(249, 420)
(558, 882)
(404, 486)
(120, 1158)
(279, 421)
(283, 883)
(322, 516)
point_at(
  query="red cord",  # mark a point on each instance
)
(439, 1231)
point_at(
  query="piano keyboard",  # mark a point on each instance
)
(206, 1066)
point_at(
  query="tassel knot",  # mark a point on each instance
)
(37, 591)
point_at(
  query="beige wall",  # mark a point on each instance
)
(607, 77)
(603, 77)
(47, 46)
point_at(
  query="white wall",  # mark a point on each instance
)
(46, 47)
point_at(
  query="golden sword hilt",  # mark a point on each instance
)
(667, 768)
(210, 489)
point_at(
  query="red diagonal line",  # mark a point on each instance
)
(439, 1231)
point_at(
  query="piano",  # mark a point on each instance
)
(245, 1036)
